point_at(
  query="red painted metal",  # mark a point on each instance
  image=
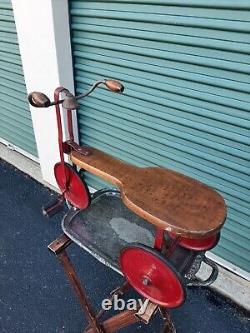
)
(59, 120)
(171, 246)
(60, 137)
(70, 125)
(152, 276)
(159, 239)
(201, 244)
(72, 186)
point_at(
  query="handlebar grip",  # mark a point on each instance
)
(114, 86)
(39, 100)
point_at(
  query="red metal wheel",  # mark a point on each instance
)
(202, 244)
(152, 276)
(77, 192)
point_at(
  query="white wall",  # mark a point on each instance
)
(44, 41)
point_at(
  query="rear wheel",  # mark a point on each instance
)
(152, 276)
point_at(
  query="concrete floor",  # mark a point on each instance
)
(34, 293)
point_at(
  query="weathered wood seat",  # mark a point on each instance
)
(163, 197)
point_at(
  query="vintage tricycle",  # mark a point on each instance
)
(154, 227)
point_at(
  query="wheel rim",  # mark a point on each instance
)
(152, 276)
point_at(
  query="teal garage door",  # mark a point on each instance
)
(185, 65)
(15, 125)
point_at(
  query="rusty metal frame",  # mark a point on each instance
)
(58, 247)
(116, 322)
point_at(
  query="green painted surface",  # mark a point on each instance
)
(185, 66)
(16, 124)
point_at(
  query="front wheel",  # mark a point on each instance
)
(74, 189)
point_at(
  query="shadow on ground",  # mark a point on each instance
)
(34, 293)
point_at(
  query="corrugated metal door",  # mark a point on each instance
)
(15, 125)
(185, 65)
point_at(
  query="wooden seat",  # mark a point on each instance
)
(163, 197)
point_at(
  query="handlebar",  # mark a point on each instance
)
(40, 100)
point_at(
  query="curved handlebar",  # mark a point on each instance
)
(40, 100)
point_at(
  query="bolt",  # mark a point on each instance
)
(146, 281)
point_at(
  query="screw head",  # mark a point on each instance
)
(146, 281)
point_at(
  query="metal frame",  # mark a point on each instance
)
(116, 322)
